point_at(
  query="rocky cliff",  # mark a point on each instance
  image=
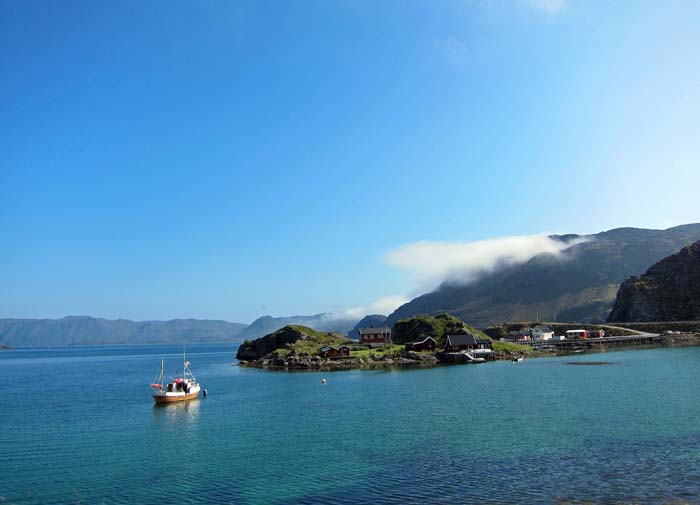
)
(668, 291)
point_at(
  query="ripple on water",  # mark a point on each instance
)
(591, 363)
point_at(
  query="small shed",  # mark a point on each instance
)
(330, 352)
(484, 343)
(426, 344)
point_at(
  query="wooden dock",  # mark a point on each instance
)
(642, 339)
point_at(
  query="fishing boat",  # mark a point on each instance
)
(180, 389)
(516, 359)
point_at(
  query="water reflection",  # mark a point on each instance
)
(178, 413)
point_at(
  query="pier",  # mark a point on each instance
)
(641, 339)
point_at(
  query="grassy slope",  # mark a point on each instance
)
(315, 340)
(499, 346)
(394, 350)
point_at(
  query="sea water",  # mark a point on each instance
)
(78, 425)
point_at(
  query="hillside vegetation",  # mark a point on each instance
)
(438, 327)
(290, 339)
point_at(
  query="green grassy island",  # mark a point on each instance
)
(300, 347)
(297, 347)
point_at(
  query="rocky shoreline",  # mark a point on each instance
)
(408, 360)
(309, 362)
(412, 359)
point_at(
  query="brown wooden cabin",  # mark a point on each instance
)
(427, 344)
(331, 352)
(461, 342)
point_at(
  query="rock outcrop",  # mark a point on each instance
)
(668, 291)
(284, 338)
(313, 362)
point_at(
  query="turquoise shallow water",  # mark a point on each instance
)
(79, 426)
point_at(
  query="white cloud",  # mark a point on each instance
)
(431, 263)
(385, 306)
(550, 6)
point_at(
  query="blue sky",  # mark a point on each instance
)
(233, 159)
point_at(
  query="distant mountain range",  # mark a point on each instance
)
(85, 330)
(322, 322)
(579, 285)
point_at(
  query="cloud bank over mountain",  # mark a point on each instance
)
(433, 263)
(385, 305)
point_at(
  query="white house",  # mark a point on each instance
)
(542, 333)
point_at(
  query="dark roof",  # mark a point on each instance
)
(483, 340)
(371, 331)
(329, 347)
(421, 341)
(461, 339)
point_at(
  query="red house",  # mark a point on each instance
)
(375, 337)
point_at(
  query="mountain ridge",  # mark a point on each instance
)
(88, 330)
(578, 285)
